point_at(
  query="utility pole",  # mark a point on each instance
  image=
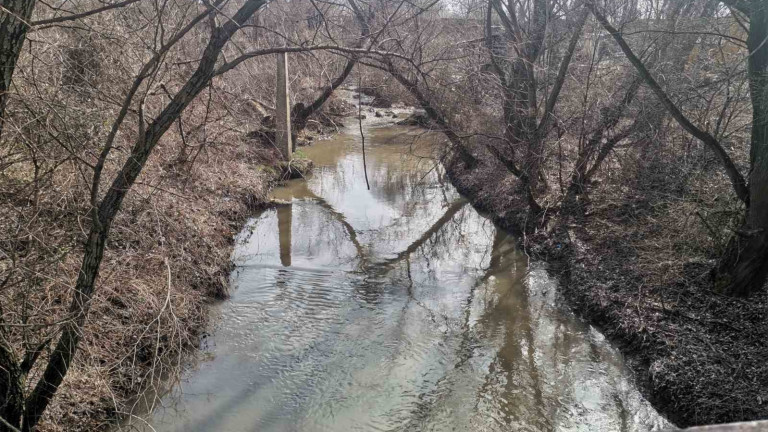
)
(283, 109)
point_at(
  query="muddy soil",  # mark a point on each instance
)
(698, 356)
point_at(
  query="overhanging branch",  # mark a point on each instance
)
(737, 180)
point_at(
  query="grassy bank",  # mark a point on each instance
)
(636, 265)
(167, 259)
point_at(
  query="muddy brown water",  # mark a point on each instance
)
(398, 308)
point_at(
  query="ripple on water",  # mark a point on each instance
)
(395, 309)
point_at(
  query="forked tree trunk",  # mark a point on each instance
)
(14, 23)
(744, 267)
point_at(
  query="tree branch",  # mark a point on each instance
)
(73, 17)
(737, 180)
(561, 74)
(739, 5)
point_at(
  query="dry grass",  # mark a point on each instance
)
(168, 256)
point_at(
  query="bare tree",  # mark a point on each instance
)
(528, 114)
(742, 268)
(301, 112)
(525, 132)
(15, 22)
(25, 414)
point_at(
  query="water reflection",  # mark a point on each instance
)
(398, 308)
(284, 220)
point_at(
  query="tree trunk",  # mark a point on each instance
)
(13, 29)
(62, 356)
(11, 390)
(744, 267)
(301, 113)
(519, 83)
(14, 23)
(737, 180)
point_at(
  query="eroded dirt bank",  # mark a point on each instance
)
(698, 356)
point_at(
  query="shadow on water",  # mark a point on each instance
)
(398, 308)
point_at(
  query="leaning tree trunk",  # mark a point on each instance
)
(744, 267)
(62, 356)
(301, 113)
(11, 390)
(14, 22)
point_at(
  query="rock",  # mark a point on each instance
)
(361, 117)
(378, 114)
(377, 101)
(256, 106)
(339, 107)
(369, 91)
(381, 102)
(415, 119)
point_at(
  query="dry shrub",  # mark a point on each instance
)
(168, 256)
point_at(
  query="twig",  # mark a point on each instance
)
(711, 230)
(8, 425)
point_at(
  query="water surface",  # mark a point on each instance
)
(398, 308)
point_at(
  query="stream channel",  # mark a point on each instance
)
(398, 308)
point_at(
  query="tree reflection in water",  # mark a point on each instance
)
(399, 308)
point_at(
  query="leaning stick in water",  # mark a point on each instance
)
(360, 123)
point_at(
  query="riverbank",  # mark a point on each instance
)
(167, 260)
(628, 267)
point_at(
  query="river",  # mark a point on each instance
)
(398, 308)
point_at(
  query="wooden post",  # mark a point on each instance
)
(283, 108)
